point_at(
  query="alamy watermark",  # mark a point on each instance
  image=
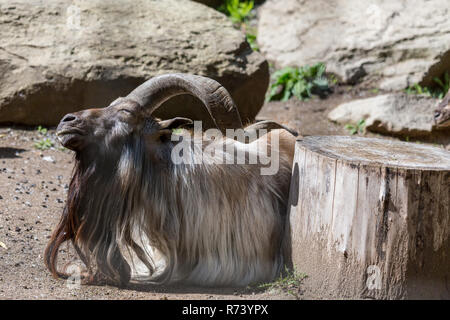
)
(373, 281)
(73, 21)
(253, 147)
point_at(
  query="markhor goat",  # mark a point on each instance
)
(134, 214)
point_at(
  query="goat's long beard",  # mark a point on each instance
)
(96, 216)
(89, 222)
(108, 222)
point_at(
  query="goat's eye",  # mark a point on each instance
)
(125, 111)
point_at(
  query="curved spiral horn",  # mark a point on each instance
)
(221, 107)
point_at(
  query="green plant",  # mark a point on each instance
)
(239, 13)
(237, 10)
(444, 84)
(251, 39)
(333, 79)
(42, 130)
(418, 89)
(301, 82)
(44, 144)
(438, 91)
(358, 128)
(288, 282)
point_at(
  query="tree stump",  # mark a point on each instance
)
(370, 218)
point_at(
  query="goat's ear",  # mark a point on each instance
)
(166, 127)
(174, 123)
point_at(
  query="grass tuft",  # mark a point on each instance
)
(300, 82)
(289, 282)
(438, 91)
(238, 11)
(359, 128)
(44, 143)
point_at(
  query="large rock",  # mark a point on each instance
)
(57, 57)
(398, 114)
(391, 44)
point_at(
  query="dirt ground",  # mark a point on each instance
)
(33, 187)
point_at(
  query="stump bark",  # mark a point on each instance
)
(370, 218)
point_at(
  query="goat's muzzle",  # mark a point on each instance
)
(68, 133)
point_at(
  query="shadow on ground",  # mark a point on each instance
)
(10, 153)
(179, 289)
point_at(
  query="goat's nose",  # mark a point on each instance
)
(69, 118)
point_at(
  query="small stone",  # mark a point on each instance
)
(49, 159)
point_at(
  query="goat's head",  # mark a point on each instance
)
(95, 129)
(90, 128)
(442, 113)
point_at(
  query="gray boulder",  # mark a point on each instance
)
(398, 114)
(389, 44)
(58, 57)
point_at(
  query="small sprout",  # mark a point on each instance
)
(375, 90)
(251, 39)
(42, 130)
(358, 128)
(44, 144)
(333, 79)
(238, 11)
